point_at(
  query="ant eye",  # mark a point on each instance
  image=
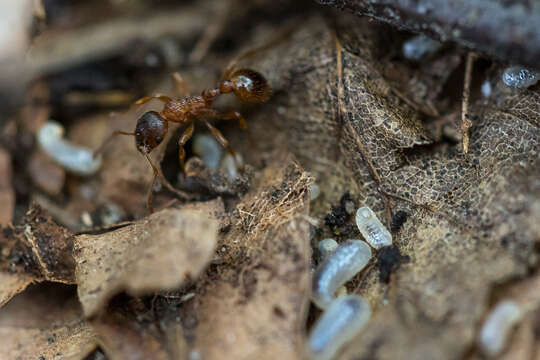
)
(159, 139)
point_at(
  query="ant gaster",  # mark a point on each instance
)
(247, 85)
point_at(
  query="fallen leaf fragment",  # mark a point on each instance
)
(158, 253)
(123, 338)
(38, 248)
(255, 302)
(45, 322)
(11, 285)
(7, 195)
(45, 173)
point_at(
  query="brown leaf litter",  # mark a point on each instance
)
(45, 322)
(157, 253)
(7, 195)
(230, 278)
(253, 303)
(470, 225)
(38, 248)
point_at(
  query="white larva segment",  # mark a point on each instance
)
(208, 149)
(231, 164)
(372, 229)
(420, 46)
(341, 322)
(496, 329)
(342, 265)
(519, 77)
(76, 159)
(486, 89)
(326, 247)
(314, 191)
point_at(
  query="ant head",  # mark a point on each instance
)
(250, 86)
(150, 131)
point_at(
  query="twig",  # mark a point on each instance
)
(466, 122)
(388, 202)
(211, 32)
(53, 51)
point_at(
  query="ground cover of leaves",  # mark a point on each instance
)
(86, 273)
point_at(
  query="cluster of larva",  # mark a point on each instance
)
(344, 316)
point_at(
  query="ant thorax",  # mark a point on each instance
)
(180, 110)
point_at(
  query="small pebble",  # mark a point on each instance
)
(496, 329)
(86, 219)
(342, 291)
(342, 265)
(76, 159)
(372, 229)
(420, 46)
(326, 247)
(519, 77)
(340, 323)
(112, 214)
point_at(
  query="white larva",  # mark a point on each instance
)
(372, 229)
(420, 46)
(76, 159)
(486, 89)
(326, 247)
(519, 77)
(496, 329)
(343, 264)
(208, 149)
(314, 191)
(231, 164)
(342, 321)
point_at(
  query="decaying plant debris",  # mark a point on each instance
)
(226, 272)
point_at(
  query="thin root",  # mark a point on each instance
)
(466, 122)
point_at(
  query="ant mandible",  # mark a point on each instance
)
(247, 85)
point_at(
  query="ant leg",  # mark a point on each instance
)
(220, 138)
(181, 142)
(179, 82)
(234, 115)
(146, 99)
(106, 142)
(164, 182)
(150, 195)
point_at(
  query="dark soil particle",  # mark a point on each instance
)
(388, 259)
(397, 220)
(338, 218)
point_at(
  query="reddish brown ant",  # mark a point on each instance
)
(247, 85)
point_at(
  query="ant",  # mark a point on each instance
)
(247, 85)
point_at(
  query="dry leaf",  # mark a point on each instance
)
(125, 338)
(46, 173)
(7, 195)
(45, 322)
(253, 304)
(158, 253)
(11, 285)
(38, 248)
(470, 216)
